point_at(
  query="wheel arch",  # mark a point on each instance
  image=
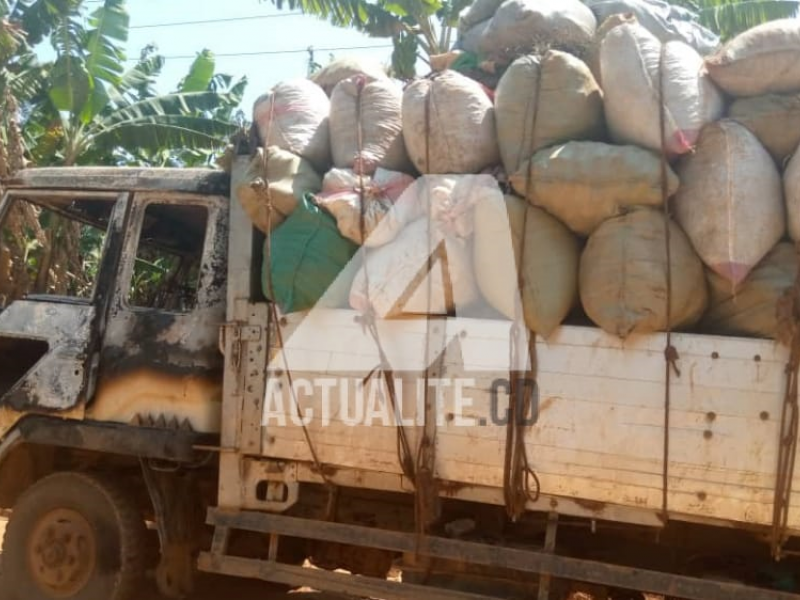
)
(30, 451)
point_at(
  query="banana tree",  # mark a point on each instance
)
(96, 106)
(731, 17)
(201, 78)
(418, 28)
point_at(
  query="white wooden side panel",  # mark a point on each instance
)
(599, 435)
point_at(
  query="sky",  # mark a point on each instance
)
(261, 28)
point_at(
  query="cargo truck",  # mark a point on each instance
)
(164, 391)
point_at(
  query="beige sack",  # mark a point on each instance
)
(774, 119)
(381, 125)
(294, 117)
(633, 66)
(623, 276)
(761, 60)
(344, 68)
(521, 26)
(549, 266)
(730, 202)
(342, 193)
(459, 134)
(593, 55)
(545, 101)
(585, 183)
(752, 310)
(394, 279)
(278, 177)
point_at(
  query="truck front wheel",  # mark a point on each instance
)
(73, 536)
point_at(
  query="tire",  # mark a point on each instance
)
(74, 536)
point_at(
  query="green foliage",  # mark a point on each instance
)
(38, 18)
(411, 24)
(731, 17)
(200, 73)
(404, 55)
(87, 108)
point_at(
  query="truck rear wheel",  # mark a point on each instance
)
(73, 536)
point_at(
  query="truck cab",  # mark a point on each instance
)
(112, 293)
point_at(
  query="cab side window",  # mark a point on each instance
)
(169, 256)
(52, 246)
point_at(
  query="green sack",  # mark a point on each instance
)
(308, 254)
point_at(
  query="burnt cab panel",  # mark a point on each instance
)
(160, 357)
(59, 252)
(112, 287)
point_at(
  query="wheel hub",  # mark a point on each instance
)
(62, 552)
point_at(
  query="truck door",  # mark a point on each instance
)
(58, 256)
(161, 363)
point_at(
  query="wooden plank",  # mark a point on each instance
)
(526, 560)
(327, 581)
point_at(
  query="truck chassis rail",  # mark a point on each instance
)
(533, 561)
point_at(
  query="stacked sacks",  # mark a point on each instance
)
(751, 309)
(774, 119)
(394, 279)
(344, 68)
(366, 126)
(666, 22)
(623, 275)
(639, 75)
(762, 60)
(593, 55)
(544, 101)
(586, 183)
(363, 202)
(294, 116)
(304, 253)
(730, 202)
(760, 68)
(275, 182)
(548, 262)
(449, 125)
(548, 129)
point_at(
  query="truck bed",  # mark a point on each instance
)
(598, 442)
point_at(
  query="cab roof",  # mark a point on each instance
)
(199, 181)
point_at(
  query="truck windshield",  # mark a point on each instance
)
(52, 246)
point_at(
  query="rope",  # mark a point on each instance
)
(789, 328)
(318, 466)
(424, 499)
(368, 321)
(520, 482)
(670, 352)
